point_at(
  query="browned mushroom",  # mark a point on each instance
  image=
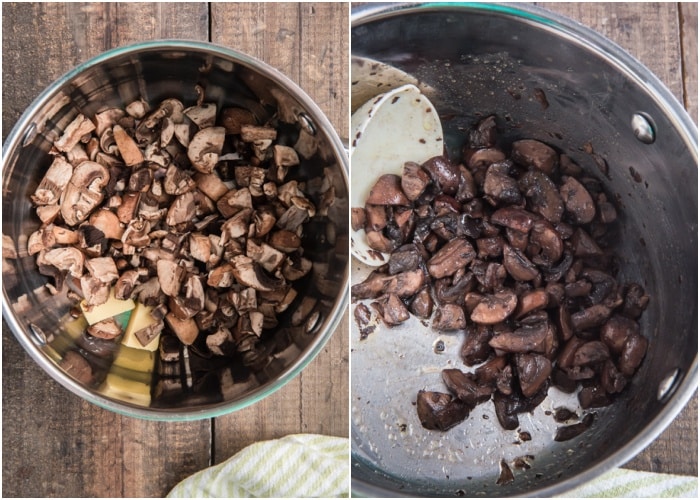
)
(532, 153)
(440, 411)
(387, 191)
(453, 256)
(577, 200)
(494, 308)
(533, 372)
(542, 195)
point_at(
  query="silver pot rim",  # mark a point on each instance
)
(32, 343)
(682, 389)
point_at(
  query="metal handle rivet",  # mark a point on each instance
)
(643, 128)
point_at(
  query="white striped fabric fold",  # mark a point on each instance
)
(295, 466)
(625, 483)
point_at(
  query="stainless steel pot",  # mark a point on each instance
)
(551, 79)
(154, 71)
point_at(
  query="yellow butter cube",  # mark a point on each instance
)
(117, 386)
(109, 309)
(140, 318)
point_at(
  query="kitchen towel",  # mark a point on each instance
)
(625, 483)
(296, 466)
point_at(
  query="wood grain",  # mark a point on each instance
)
(305, 43)
(54, 443)
(663, 37)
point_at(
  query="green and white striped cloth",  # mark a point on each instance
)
(625, 483)
(295, 466)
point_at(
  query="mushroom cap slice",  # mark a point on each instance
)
(205, 147)
(248, 273)
(494, 308)
(53, 183)
(84, 192)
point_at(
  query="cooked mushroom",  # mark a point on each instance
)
(532, 153)
(440, 411)
(455, 255)
(542, 195)
(577, 200)
(494, 308)
(449, 317)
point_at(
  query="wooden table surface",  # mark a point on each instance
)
(55, 444)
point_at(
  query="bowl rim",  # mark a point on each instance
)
(33, 346)
(631, 67)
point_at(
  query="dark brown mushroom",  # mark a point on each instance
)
(440, 411)
(449, 317)
(533, 372)
(632, 354)
(532, 153)
(444, 174)
(387, 191)
(615, 332)
(542, 195)
(475, 348)
(577, 200)
(495, 308)
(414, 180)
(453, 256)
(466, 387)
(518, 265)
(499, 187)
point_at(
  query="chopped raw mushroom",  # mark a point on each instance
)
(128, 149)
(205, 147)
(80, 126)
(53, 183)
(84, 192)
(105, 329)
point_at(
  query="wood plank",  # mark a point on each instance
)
(688, 13)
(664, 39)
(648, 31)
(305, 42)
(55, 444)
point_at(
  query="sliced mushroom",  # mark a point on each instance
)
(128, 149)
(182, 209)
(205, 147)
(533, 372)
(233, 119)
(532, 153)
(542, 195)
(53, 183)
(170, 277)
(248, 273)
(80, 126)
(203, 115)
(64, 259)
(440, 411)
(107, 222)
(84, 192)
(455, 255)
(106, 329)
(518, 265)
(577, 200)
(387, 191)
(267, 256)
(449, 317)
(102, 268)
(494, 308)
(186, 330)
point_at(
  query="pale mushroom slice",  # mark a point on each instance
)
(205, 147)
(387, 131)
(53, 183)
(84, 192)
(80, 126)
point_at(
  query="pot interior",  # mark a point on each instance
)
(155, 71)
(549, 80)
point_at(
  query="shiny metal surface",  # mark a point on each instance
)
(480, 59)
(154, 71)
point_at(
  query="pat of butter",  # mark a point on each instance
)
(140, 318)
(132, 391)
(109, 309)
(139, 360)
